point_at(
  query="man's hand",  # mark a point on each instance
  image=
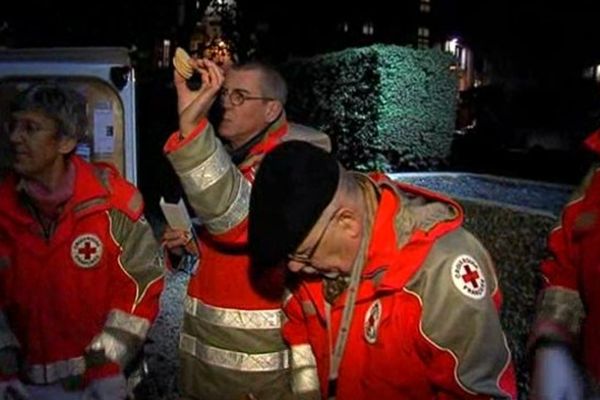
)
(13, 389)
(556, 376)
(193, 106)
(177, 240)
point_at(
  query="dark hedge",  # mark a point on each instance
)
(517, 241)
(385, 107)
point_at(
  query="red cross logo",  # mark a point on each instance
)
(468, 277)
(471, 276)
(87, 250)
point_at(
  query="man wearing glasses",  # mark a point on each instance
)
(393, 299)
(230, 344)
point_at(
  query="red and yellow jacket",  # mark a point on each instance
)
(425, 323)
(231, 341)
(91, 285)
(569, 306)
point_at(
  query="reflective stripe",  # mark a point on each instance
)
(42, 374)
(114, 349)
(287, 297)
(129, 323)
(237, 211)
(209, 171)
(234, 360)
(7, 338)
(304, 369)
(234, 318)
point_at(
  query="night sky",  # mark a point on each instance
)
(532, 32)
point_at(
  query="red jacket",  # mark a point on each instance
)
(425, 323)
(95, 281)
(569, 309)
(230, 343)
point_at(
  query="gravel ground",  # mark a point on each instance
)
(511, 217)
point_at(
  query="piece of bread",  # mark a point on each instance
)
(181, 62)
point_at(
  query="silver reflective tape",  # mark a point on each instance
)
(129, 323)
(304, 369)
(237, 211)
(234, 318)
(302, 356)
(42, 374)
(114, 349)
(209, 171)
(234, 360)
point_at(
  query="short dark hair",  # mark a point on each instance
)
(272, 83)
(63, 104)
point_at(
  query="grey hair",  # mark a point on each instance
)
(63, 104)
(272, 83)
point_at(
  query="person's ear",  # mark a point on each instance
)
(66, 144)
(349, 222)
(274, 108)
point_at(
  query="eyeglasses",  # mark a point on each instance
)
(237, 97)
(306, 258)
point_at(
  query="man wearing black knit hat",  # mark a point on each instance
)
(395, 299)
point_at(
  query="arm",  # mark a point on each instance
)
(10, 385)
(460, 338)
(137, 278)
(217, 191)
(305, 379)
(9, 344)
(560, 308)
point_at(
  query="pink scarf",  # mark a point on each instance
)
(50, 203)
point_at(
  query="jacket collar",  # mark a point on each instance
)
(87, 188)
(263, 142)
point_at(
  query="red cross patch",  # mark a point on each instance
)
(468, 277)
(86, 250)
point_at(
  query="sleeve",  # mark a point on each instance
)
(216, 189)
(305, 379)
(460, 337)
(137, 283)
(560, 310)
(9, 344)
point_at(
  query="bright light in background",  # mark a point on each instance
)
(451, 46)
(165, 60)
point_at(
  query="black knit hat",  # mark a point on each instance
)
(294, 184)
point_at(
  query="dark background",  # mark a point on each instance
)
(532, 53)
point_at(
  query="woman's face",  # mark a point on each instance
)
(36, 143)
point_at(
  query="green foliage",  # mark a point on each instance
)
(385, 107)
(516, 241)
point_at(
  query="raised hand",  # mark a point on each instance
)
(192, 106)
